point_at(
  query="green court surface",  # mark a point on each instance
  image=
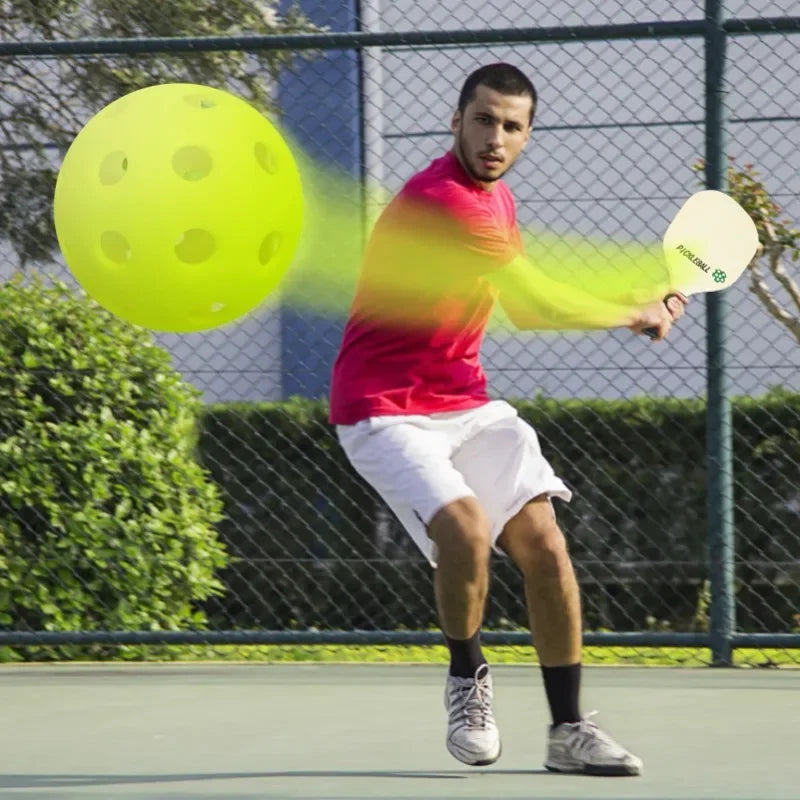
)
(355, 731)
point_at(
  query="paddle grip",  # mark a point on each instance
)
(652, 332)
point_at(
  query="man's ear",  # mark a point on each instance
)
(455, 122)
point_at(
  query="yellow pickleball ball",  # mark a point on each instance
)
(178, 207)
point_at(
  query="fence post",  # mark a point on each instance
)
(327, 85)
(719, 438)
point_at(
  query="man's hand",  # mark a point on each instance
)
(659, 316)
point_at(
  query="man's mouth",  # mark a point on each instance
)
(490, 159)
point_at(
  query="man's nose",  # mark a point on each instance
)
(495, 136)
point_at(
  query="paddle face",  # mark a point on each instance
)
(709, 243)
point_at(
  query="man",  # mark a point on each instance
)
(463, 473)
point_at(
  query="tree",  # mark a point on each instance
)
(44, 103)
(780, 242)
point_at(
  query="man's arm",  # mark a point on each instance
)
(534, 301)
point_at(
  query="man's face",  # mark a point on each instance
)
(491, 133)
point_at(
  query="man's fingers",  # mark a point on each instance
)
(676, 304)
(675, 307)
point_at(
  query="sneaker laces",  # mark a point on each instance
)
(588, 737)
(473, 699)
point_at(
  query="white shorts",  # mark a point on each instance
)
(420, 463)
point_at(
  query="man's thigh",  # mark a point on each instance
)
(409, 466)
(504, 466)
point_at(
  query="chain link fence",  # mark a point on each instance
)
(313, 555)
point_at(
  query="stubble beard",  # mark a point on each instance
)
(469, 168)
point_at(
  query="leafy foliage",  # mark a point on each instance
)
(107, 520)
(315, 547)
(780, 242)
(44, 103)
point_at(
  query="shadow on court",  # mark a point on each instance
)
(66, 781)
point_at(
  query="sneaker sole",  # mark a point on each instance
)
(468, 760)
(611, 771)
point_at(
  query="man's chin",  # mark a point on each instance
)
(486, 177)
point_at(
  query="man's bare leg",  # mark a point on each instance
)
(537, 546)
(461, 533)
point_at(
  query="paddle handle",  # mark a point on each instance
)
(652, 332)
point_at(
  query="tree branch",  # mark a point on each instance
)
(759, 287)
(775, 253)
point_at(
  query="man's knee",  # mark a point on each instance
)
(461, 530)
(534, 541)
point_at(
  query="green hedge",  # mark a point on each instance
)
(107, 520)
(312, 545)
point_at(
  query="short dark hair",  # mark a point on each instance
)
(503, 78)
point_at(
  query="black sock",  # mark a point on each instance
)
(563, 686)
(465, 655)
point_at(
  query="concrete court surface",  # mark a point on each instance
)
(225, 731)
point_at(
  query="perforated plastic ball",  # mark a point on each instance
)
(178, 207)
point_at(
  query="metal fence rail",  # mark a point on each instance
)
(359, 39)
(609, 170)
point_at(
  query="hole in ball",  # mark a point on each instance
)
(200, 101)
(195, 246)
(115, 247)
(113, 168)
(266, 158)
(269, 246)
(192, 163)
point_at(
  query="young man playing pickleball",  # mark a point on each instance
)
(462, 472)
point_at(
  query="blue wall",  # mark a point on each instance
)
(320, 101)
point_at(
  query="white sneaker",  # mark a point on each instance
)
(472, 735)
(584, 747)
